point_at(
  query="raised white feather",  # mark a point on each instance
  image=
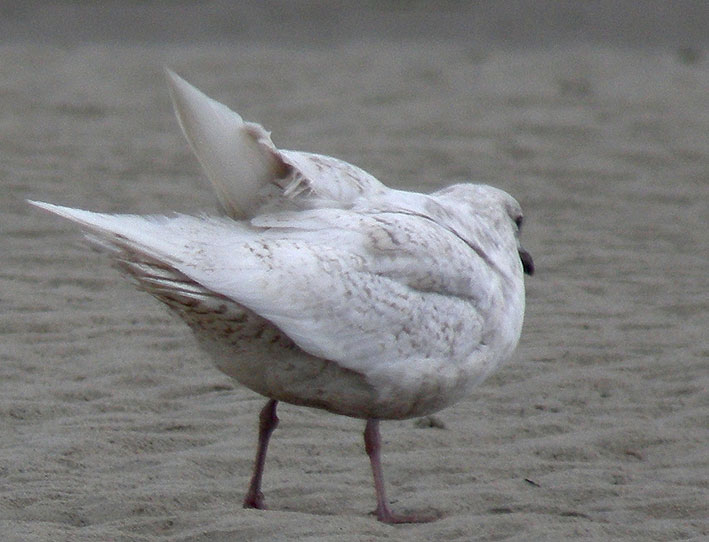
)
(245, 168)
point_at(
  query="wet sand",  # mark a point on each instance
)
(116, 427)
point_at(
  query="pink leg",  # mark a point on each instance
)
(372, 444)
(268, 421)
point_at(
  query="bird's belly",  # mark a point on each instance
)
(261, 357)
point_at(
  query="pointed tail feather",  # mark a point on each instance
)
(116, 233)
(148, 259)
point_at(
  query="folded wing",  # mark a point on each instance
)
(364, 291)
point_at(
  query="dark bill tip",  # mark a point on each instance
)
(527, 261)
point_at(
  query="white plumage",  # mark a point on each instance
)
(320, 286)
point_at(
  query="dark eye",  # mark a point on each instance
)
(519, 221)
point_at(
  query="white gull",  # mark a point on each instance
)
(319, 286)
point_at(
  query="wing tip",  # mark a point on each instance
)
(60, 210)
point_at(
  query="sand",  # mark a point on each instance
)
(114, 426)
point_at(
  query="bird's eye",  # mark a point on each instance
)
(519, 221)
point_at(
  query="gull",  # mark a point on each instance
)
(319, 286)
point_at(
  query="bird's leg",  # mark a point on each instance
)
(372, 444)
(268, 421)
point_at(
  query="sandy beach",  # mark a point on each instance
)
(115, 426)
